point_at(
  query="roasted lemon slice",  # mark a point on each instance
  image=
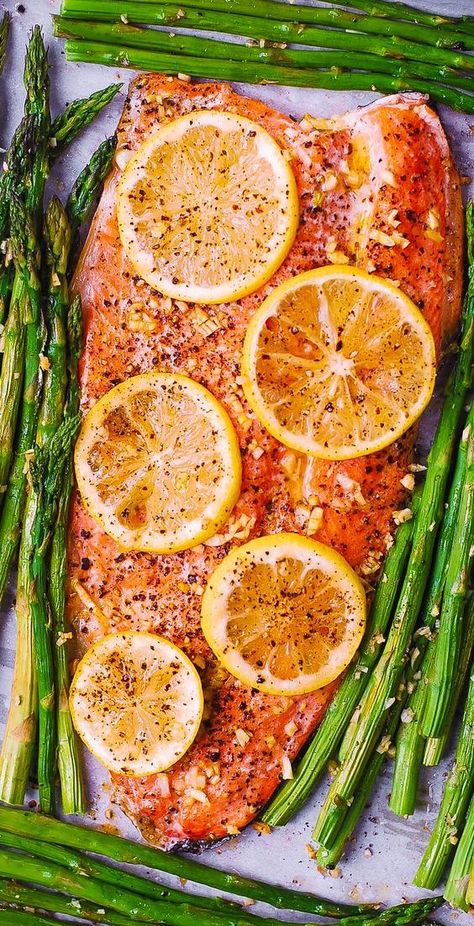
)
(158, 463)
(136, 702)
(338, 363)
(284, 614)
(208, 207)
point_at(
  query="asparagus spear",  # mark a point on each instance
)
(440, 694)
(410, 739)
(4, 34)
(12, 182)
(457, 793)
(328, 858)
(69, 764)
(435, 746)
(410, 746)
(77, 116)
(255, 73)
(57, 238)
(81, 864)
(87, 188)
(25, 823)
(133, 37)
(13, 893)
(11, 379)
(458, 880)
(171, 14)
(413, 14)
(442, 36)
(399, 915)
(329, 733)
(47, 470)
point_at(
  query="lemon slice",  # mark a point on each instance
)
(338, 363)
(208, 207)
(136, 702)
(284, 614)
(158, 463)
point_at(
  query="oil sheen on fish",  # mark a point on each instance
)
(361, 177)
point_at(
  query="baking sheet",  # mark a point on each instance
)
(384, 854)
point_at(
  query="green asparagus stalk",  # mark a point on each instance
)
(409, 749)
(153, 40)
(19, 164)
(326, 740)
(400, 915)
(69, 763)
(36, 82)
(440, 695)
(13, 893)
(12, 183)
(25, 823)
(47, 470)
(57, 235)
(457, 793)
(254, 27)
(81, 864)
(385, 679)
(255, 73)
(328, 858)
(4, 35)
(77, 116)
(19, 737)
(458, 880)
(442, 36)
(86, 190)
(435, 747)
(394, 10)
(389, 8)
(11, 379)
(410, 739)
(57, 239)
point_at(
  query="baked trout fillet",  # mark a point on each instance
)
(377, 188)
